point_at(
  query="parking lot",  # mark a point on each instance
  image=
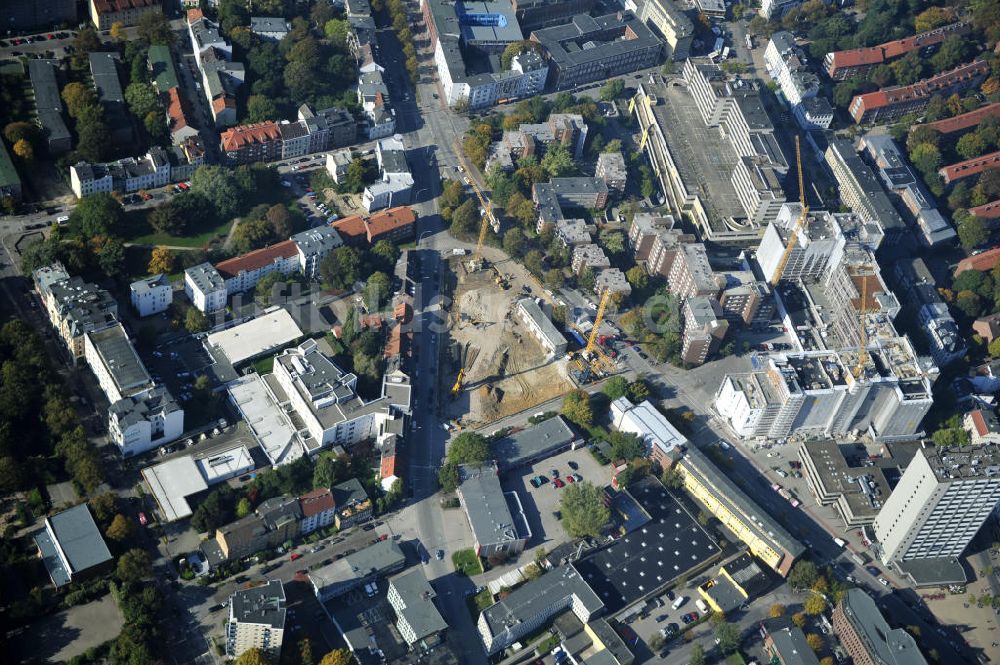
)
(541, 504)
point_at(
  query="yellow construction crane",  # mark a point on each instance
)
(863, 309)
(794, 236)
(488, 219)
(457, 388)
(592, 340)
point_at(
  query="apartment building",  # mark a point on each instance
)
(786, 64)
(205, 287)
(417, 617)
(788, 646)
(369, 564)
(395, 224)
(691, 274)
(108, 86)
(220, 77)
(670, 21)
(578, 192)
(151, 295)
(74, 306)
(887, 104)
(613, 280)
(256, 620)
(861, 191)
(943, 498)
(541, 327)
(899, 178)
(318, 509)
(588, 256)
(774, 9)
(44, 77)
(529, 606)
(111, 356)
(144, 421)
(260, 142)
(704, 329)
(105, 13)
(328, 128)
(746, 300)
(840, 65)
(867, 637)
(964, 121)
(612, 170)
(313, 245)
(618, 44)
(241, 273)
(179, 117)
(373, 96)
(270, 28)
(567, 129)
(352, 504)
(157, 168)
(969, 167)
(573, 232)
(395, 184)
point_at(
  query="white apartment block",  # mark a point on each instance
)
(395, 184)
(940, 503)
(205, 288)
(256, 620)
(113, 359)
(151, 295)
(412, 599)
(313, 246)
(142, 422)
(541, 327)
(770, 9)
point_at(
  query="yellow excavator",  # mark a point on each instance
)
(457, 388)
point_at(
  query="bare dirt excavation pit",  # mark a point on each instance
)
(506, 369)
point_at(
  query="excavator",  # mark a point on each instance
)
(459, 381)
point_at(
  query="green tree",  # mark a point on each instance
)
(558, 161)
(378, 289)
(120, 528)
(615, 387)
(243, 508)
(672, 478)
(994, 348)
(583, 511)
(814, 605)
(697, 655)
(931, 18)
(223, 188)
(803, 575)
(195, 321)
(154, 28)
(142, 99)
(969, 303)
(251, 234)
(554, 278)
(111, 257)
(637, 277)
(513, 242)
(77, 97)
(799, 619)
(24, 150)
(815, 641)
(134, 566)
(923, 134)
(845, 91)
(255, 656)
(612, 90)
(386, 254)
(971, 145)
(468, 448)
(261, 108)
(908, 69)
(465, 220)
(576, 407)
(356, 176)
(776, 611)
(96, 215)
(448, 477)
(728, 636)
(337, 30)
(338, 657)
(168, 218)
(972, 232)
(612, 241)
(953, 50)
(926, 157)
(339, 270)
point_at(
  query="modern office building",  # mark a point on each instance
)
(111, 356)
(866, 636)
(616, 44)
(497, 520)
(943, 498)
(71, 547)
(861, 191)
(670, 21)
(857, 493)
(256, 620)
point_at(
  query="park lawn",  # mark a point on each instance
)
(466, 562)
(138, 231)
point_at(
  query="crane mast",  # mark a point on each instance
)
(794, 236)
(592, 340)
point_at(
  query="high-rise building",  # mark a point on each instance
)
(941, 501)
(256, 620)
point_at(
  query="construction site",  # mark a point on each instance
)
(493, 366)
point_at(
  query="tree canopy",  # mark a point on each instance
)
(582, 508)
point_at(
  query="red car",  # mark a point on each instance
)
(557, 483)
(295, 555)
(570, 478)
(142, 519)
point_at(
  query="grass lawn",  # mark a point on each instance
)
(137, 230)
(264, 365)
(483, 599)
(466, 562)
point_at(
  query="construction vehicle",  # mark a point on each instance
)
(459, 380)
(500, 279)
(799, 223)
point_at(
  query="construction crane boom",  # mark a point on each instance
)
(592, 340)
(794, 236)
(488, 219)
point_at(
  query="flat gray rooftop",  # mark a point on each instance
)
(544, 438)
(704, 158)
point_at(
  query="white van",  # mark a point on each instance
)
(62, 220)
(677, 603)
(702, 607)
(840, 542)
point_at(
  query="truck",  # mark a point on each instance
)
(458, 251)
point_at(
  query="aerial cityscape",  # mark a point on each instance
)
(508, 332)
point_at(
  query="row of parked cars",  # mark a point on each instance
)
(33, 39)
(557, 482)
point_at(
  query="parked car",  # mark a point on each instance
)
(554, 473)
(557, 483)
(570, 478)
(142, 519)
(577, 477)
(439, 555)
(295, 556)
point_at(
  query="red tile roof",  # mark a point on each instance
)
(316, 502)
(876, 55)
(989, 210)
(979, 422)
(235, 138)
(855, 57)
(388, 221)
(920, 89)
(983, 261)
(107, 6)
(256, 259)
(352, 227)
(969, 167)
(966, 120)
(387, 467)
(194, 14)
(175, 110)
